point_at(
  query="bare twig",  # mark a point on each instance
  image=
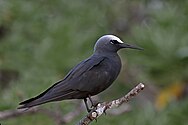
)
(102, 107)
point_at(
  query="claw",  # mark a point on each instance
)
(105, 112)
(93, 105)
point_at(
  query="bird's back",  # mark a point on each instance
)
(91, 76)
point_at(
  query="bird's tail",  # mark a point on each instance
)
(44, 98)
(38, 100)
(31, 102)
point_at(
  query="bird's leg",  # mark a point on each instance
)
(87, 107)
(92, 104)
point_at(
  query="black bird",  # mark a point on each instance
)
(89, 77)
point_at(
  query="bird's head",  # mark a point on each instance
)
(111, 43)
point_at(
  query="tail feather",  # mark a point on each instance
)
(47, 98)
(30, 103)
(36, 100)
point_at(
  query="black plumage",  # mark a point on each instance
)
(89, 77)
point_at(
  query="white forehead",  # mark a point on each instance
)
(112, 37)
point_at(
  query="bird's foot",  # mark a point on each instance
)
(94, 104)
(105, 111)
(90, 109)
(94, 117)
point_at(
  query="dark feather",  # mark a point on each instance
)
(65, 89)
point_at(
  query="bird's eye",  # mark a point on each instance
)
(114, 42)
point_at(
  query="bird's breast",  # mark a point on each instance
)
(113, 67)
(105, 74)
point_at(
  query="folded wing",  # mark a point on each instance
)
(66, 88)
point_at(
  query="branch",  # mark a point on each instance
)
(102, 107)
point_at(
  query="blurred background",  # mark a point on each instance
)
(41, 40)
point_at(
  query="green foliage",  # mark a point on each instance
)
(43, 40)
(164, 38)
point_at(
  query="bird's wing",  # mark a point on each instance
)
(74, 78)
(65, 88)
(84, 66)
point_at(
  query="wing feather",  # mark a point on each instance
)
(65, 89)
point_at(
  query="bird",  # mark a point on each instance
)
(88, 78)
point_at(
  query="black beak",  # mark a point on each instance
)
(126, 45)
